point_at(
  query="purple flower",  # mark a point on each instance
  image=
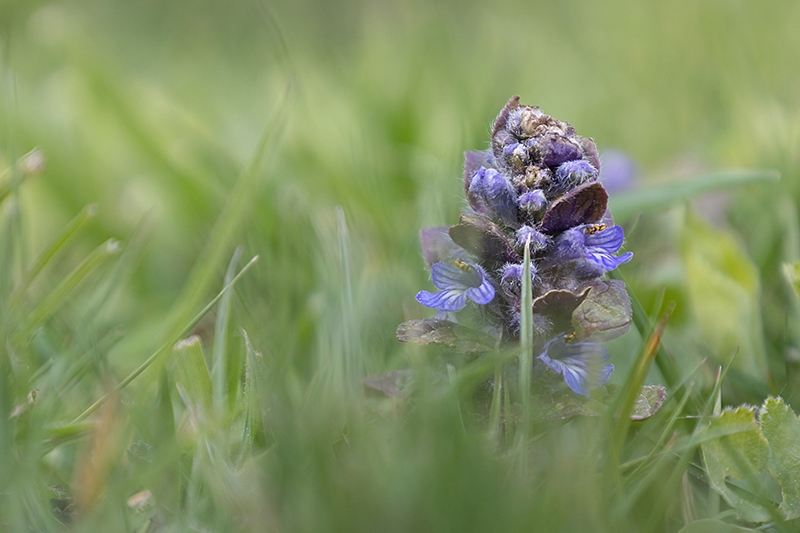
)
(618, 172)
(513, 271)
(457, 281)
(538, 240)
(596, 244)
(516, 156)
(495, 193)
(573, 173)
(602, 244)
(534, 199)
(581, 363)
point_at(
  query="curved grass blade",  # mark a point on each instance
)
(70, 231)
(164, 347)
(627, 204)
(65, 433)
(641, 320)
(58, 296)
(123, 268)
(625, 402)
(26, 166)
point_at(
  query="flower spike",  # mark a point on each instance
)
(537, 183)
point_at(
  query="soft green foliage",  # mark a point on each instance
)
(707, 525)
(178, 140)
(724, 290)
(781, 427)
(735, 449)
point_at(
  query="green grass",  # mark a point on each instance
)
(183, 139)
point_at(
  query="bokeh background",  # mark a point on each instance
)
(151, 110)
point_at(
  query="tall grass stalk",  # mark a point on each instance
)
(525, 358)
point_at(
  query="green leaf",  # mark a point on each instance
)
(605, 313)
(738, 453)
(724, 292)
(648, 402)
(781, 427)
(707, 525)
(647, 199)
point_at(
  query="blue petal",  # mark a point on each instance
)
(444, 301)
(610, 239)
(483, 294)
(607, 261)
(582, 379)
(581, 364)
(447, 276)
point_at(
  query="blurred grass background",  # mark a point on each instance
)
(153, 111)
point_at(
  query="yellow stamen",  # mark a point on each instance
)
(591, 230)
(462, 265)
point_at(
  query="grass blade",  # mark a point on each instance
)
(163, 349)
(526, 354)
(192, 377)
(623, 406)
(58, 296)
(26, 166)
(526, 334)
(220, 354)
(70, 231)
(627, 204)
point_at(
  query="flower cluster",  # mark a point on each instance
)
(536, 186)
